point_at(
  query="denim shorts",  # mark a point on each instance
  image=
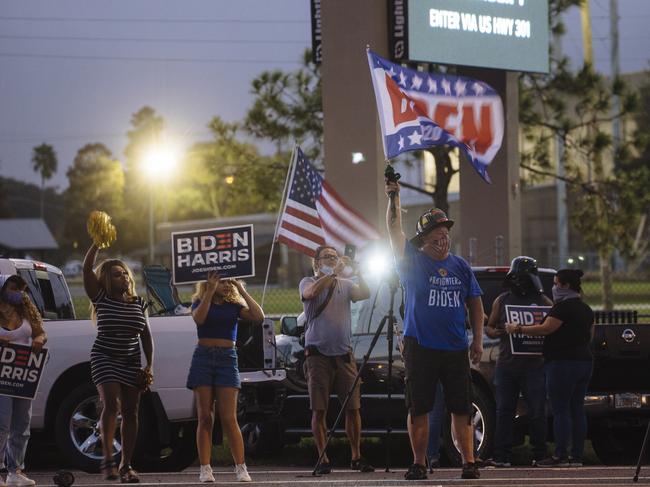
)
(214, 366)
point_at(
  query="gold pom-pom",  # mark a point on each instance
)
(100, 229)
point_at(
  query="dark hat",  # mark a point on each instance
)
(429, 220)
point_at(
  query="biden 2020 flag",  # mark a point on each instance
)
(418, 110)
(226, 250)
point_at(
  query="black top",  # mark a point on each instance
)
(571, 341)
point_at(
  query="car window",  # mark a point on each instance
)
(62, 302)
(49, 293)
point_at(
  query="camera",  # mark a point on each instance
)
(350, 251)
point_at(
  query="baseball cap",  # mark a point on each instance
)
(429, 220)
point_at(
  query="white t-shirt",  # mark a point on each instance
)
(331, 331)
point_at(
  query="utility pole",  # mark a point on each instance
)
(616, 69)
(616, 101)
(587, 44)
(562, 223)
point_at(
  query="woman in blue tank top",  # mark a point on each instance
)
(214, 375)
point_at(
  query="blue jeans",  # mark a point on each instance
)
(214, 366)
(436, 416)
(510, 380)
(15, 416)
(566, 383)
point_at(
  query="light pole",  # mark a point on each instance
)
(158, 164)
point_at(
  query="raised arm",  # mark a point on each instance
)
(360, 291)
(394, 221)
(323, 282)
(91, 284)
(253, 312)
(200, 313)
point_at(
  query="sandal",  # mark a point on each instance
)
(128, 475)
(108, 468)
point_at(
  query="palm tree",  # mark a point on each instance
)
(44, 162)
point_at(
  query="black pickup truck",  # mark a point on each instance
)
(618, 401)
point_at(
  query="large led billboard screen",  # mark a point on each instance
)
(501, 34)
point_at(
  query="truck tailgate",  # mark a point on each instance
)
(622, 357)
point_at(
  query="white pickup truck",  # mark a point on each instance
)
(66, 407)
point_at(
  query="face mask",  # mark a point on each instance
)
(561, 293)
(13, 297)
(326, 269)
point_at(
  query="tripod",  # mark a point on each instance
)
(392, 323)
(642, 454)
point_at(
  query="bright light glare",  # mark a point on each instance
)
(377, 264)
(358, 157)
(159, 162)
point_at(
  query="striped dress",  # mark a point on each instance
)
(115, 356)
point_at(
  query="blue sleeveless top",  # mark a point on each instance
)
(221, 321)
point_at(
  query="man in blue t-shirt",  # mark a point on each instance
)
(438, 286)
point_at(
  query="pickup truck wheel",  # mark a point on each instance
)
(77, 429)
(483, 420)
(617, 446)
(261, 438)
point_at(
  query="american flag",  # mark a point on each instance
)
(419, 110)
(314, 214)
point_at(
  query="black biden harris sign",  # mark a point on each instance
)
(501, 34)
(227, 251)
(20, 370)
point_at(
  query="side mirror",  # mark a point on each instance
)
(289, 326)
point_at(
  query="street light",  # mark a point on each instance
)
(158, 164)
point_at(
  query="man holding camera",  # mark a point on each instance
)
(438, 286)
(329, 363)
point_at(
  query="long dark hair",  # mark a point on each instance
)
(26, 310)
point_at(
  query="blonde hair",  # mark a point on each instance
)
(103, 273)
(231, 296)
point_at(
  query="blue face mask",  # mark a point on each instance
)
(13, 297)
(326, 269)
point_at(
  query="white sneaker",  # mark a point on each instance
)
(241, 473)
(206, 474)
(18, 479)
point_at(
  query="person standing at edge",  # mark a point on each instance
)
(329, 362)
(122, 323)
(518, 373)
(438, 285)
(568, 329)
(20, 323)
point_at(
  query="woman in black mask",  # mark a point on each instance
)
(568, 364)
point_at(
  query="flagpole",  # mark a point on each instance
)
(292, 166)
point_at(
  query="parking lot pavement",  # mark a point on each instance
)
(297, 477)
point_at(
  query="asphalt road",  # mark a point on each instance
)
(297, 477)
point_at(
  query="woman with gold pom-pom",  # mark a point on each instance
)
(115, 363)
